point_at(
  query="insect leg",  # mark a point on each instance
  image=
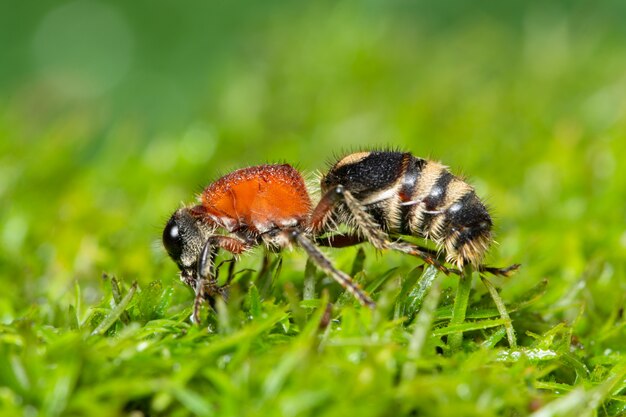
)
(206, 282)
(324, 209)
(322, 262)
(339, 240)
(503, 272)
(423, 253)
(364, 221)
(433, 254)
(368, 226)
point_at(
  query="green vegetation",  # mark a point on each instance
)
(112, 114)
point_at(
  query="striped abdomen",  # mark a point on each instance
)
(414, 196)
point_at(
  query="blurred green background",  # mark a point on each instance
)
(113, 113)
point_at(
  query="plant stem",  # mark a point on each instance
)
(460, 307)
(116, 312)
(510, 332)
(423, 324)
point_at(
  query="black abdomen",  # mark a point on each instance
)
(413, 196)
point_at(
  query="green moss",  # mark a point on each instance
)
(526, 100)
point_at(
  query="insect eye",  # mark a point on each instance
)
(172, 239)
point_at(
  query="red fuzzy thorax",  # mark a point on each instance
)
(258, 198)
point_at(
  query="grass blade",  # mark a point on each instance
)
(116, 312)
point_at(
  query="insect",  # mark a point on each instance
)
(379, 195)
